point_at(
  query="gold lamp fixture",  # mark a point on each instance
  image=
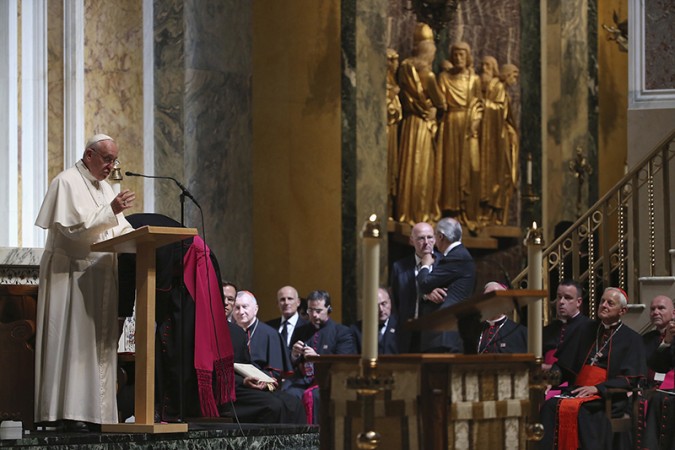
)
(436, 13)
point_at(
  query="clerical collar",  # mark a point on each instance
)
(613, 325)
(497, 321)
(571, 318)
(86, 174)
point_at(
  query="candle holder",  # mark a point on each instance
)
(530, 196)
(534, 236)
(367, 385)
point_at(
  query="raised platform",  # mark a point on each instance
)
(203, 435)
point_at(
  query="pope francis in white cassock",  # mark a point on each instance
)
(77, 328)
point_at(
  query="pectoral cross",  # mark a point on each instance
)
(594, 360)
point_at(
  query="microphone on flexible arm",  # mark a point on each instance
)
(178, 183)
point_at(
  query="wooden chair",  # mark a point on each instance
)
(628, 422)
(17, 353)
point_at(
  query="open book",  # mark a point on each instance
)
(249, 370)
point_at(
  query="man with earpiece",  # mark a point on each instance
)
(321, 336)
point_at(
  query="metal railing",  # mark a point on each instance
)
(624, 236)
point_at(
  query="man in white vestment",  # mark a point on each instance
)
(77, 328)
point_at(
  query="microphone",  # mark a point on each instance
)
(182, 188)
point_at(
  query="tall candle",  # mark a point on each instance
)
(534, 243)
(529, 168)
(371, 280)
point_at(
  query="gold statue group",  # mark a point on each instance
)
(452, 140)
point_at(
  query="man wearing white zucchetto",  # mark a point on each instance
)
(77, 328)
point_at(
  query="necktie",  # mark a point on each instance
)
(284, 332)
(380, 332)
(418, 299)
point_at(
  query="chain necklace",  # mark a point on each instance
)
(492, 338)
(598, 351)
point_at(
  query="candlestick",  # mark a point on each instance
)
(534, 241)
(371, 280)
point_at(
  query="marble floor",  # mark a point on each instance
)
(202, 435)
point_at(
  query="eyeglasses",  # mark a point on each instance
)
(107, 160)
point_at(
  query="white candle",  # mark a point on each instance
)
(529, 168)
(371, 263)
(534, 282)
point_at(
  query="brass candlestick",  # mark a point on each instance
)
(367, 385)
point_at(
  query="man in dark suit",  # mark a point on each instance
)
(288, 301)
(387, 344)
(404, 290)
(456, 273)
(322, 336)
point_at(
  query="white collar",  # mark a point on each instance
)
(453, 245)
(291, 320)
(499, 319)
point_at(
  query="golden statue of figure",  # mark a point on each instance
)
(499, 143)
(417, 194)
(394, 116)
(459, 159)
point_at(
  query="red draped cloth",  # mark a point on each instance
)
(213, 345)
(568, 408)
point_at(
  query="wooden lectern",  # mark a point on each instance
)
(144, 241)
(439, 401)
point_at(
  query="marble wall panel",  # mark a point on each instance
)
(203, 123)
(570, 108)
(297, 161)
(364, 122)
(20, 265)
(54, 87)
(169, 85)
(113, 58)
(659, 45)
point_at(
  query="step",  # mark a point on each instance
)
(649, 288)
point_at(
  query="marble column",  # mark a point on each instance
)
(364, 142)
(202, 135)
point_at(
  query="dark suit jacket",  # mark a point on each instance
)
(387, 343)
(404, 297)
(457, 273)
(331, 339)
(276, 323)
